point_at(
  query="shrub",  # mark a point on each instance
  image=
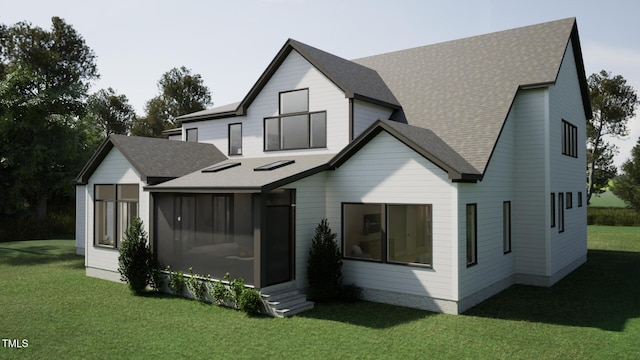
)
(324, 267)
(135, 262)
(196, 285)
(250, 301)
(220, 293)
(176, 281)
(612, 216)
(237, 288)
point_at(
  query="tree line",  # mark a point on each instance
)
(49, 123)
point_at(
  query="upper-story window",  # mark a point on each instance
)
(569, 139)
(192, 135)
(235, 139)
(295, 127)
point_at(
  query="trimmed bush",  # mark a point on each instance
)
(250, 301)
(135, 263)
(324, 267)
(612, 216)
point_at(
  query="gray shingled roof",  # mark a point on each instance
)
(244, 177)
(421, 140)
(463, 90)
(208, 113)
(155, 159)
(355, 80)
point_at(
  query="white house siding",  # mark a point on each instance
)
(530, 227)
(310, 210)
(365, 114)
(114, 169)
(294, 73)
(81, 226)
(494, 270)
(387, 171)
(569, 248)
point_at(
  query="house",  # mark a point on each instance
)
(449, 172)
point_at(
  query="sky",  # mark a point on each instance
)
(230, 43)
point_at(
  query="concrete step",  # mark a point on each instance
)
(295, 309)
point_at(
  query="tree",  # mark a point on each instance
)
(324, 265)
(181, 92)
(613, 103)
(111, 112)
(627, 185)
(44, 78)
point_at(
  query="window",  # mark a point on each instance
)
(553, 210)
(579, 198)
(391, 233)
(296, 127)
(115, 208)
(506, 227)
(220, 167)
(472, 235)
(569, 200)
(235, 139)
(560, 212)
(569, 139)
(274, 165)
(192, 135)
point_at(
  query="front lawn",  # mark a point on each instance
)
(46, 299)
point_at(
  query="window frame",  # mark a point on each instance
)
(569, 139)
(506, 227)
(384, 235)
(560, 212)
(553, 210)
(471, 238)
(231, 141)
(579, 198)
(279, 123)
(568, 200)
(191, 130)
(118, 233)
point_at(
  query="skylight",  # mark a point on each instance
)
(274, 165)
(221, 167)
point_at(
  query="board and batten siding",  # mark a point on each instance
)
(387, 171)
(494, 269)
(81, 219)
(114, 169)
(365, 114)
(294, 73)
(567, 173)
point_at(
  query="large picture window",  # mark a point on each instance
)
(296, 127)
(392, 233)
(115, 208)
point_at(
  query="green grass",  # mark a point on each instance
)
(594, 313)
(607, 199)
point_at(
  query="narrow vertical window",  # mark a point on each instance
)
(506, 227)
(472, 235)
(579, 198)
(553, 210)
(192, 135)
(569, 139)
(235, 139)
(560, 212)
(569, 200)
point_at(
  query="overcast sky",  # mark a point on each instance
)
(230, 43)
